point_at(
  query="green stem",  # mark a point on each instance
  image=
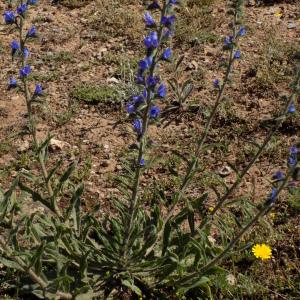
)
(200, 143)
(31, 120)
(134, 203)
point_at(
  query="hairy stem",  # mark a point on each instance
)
(200, 142)
(32, 126)
(134, 203)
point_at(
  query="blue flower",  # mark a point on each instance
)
(38, 90)
(278, 176)
(26, 52)
(242, 31)
(144, 64)
(153, 5)
(151, 41)
(142, 162)
(22, 9)
(130, 108)
(166, 54)
(31, 2)
(149, 20)
(168, 21)
(272, 197)
(15, 46)
(9, 17)
(228, 40)
(292, 160)
(138, 126)
(140, 79)
(292, 108)
(294, 150)
(237, 54)
(162, 91)
(216, 83)
(168, 33)
(31, 32)
(24, 72)
(154, 112)
(173, 2)
(12, 83)
(152, 81)
(138, 100)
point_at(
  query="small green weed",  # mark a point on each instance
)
(95, 94)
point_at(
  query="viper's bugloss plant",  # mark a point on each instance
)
(158, 251)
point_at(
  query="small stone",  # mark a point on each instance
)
(56, 145)
(118, 167)
(291, 25)
(23, 147)
(224, 171)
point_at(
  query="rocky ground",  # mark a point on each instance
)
(85, 58)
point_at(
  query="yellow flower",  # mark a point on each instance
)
(262, 251)
(272, 216)
(210, 209)
(278, 14)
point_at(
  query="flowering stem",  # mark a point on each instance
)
(32, 126)
(200, 142)
(134, 203)
(278, 124)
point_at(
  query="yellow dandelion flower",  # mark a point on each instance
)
(262, 251)
(210, 209)
(278, 14)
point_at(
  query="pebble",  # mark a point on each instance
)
(291, 25)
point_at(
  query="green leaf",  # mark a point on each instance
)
(130, 284)
(10, 264)
(185, 286)
(191, 217)
(53, 171)
(35, 195)
(65, 176)
(166, 237)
